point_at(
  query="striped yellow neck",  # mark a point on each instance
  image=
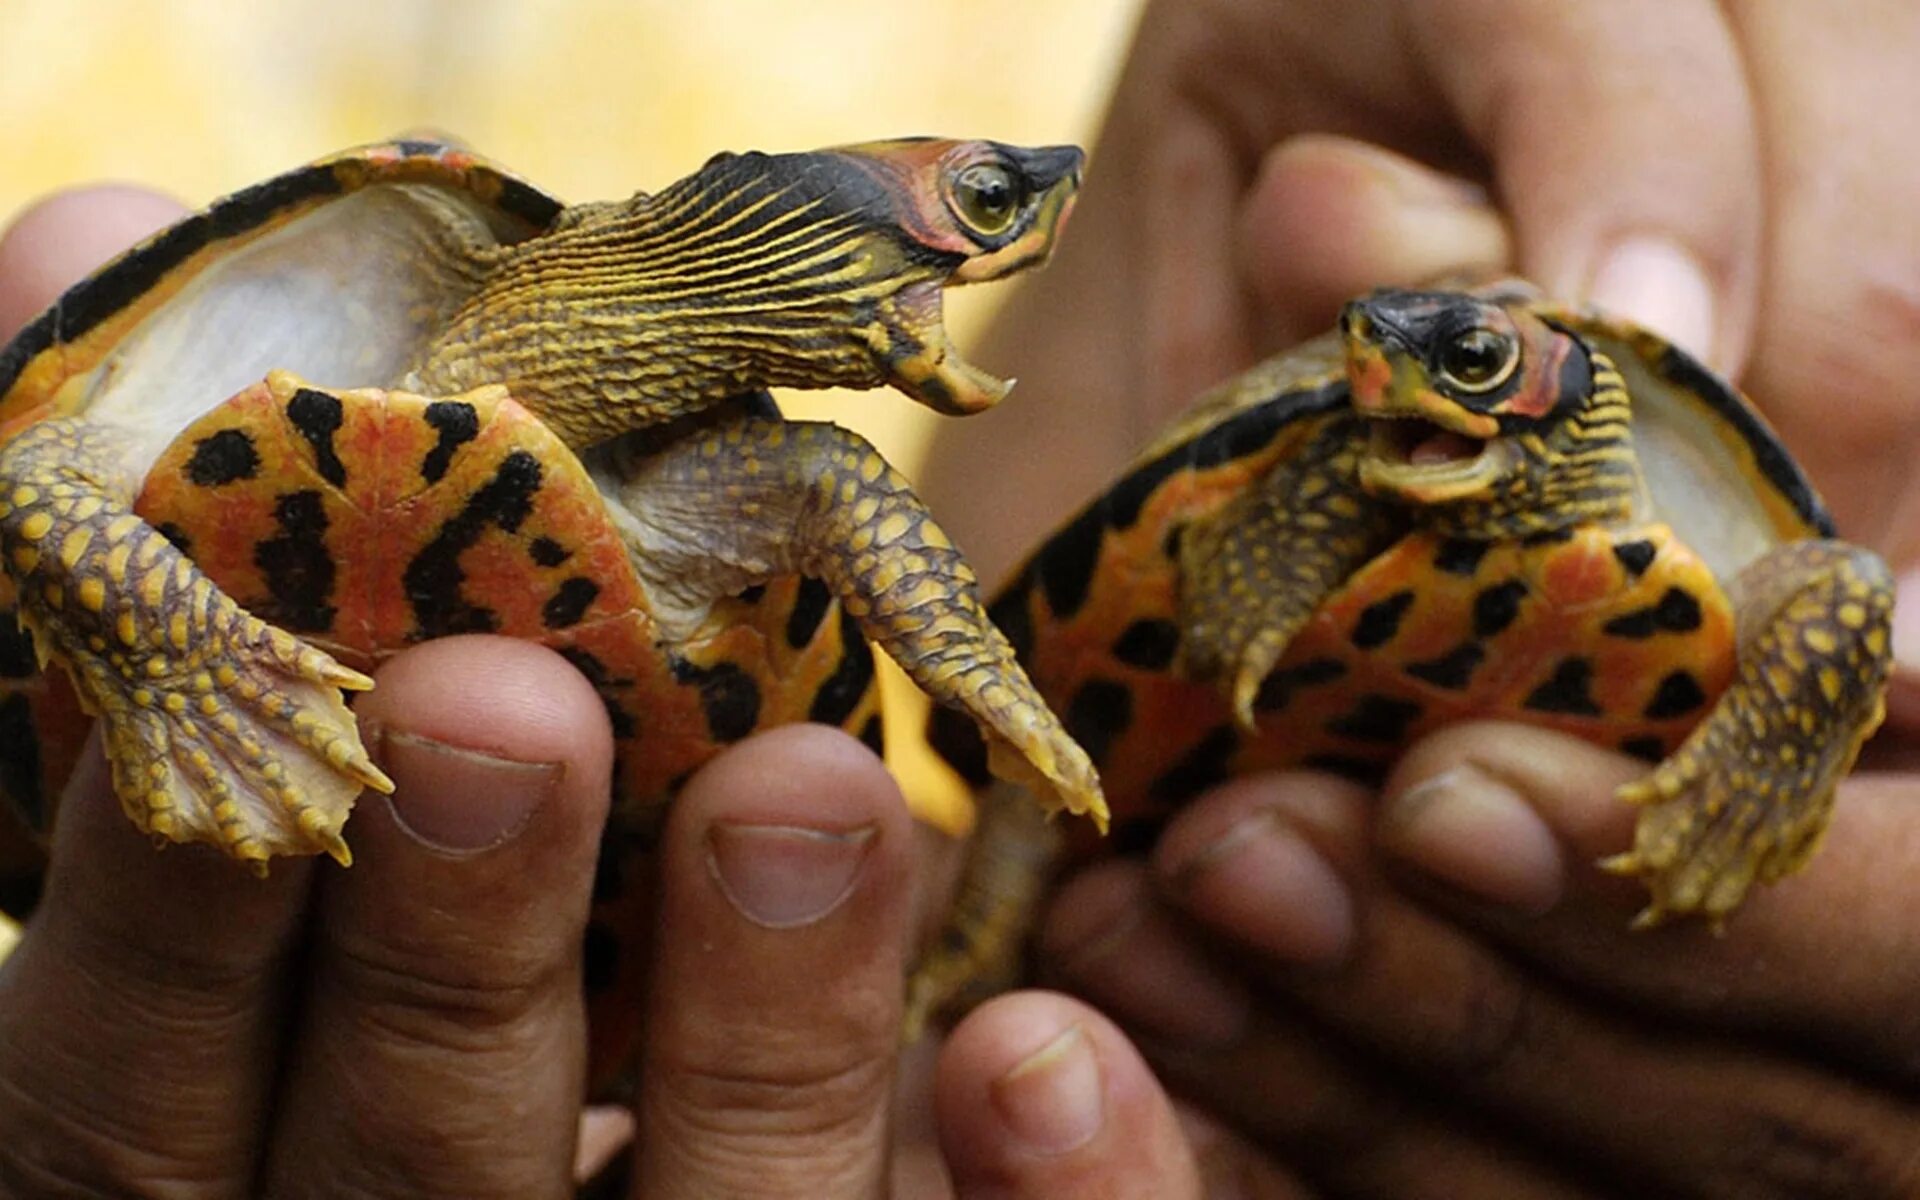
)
(740, 277)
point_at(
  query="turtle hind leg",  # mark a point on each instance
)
(755, 497)
(1748, 796)
(218, 727)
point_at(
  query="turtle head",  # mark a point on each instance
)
(924, 214)
(1472, 396)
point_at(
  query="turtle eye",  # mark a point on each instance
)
(986, 197)
(1479, 360)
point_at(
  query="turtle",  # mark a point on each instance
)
(1463, 502)
(402, 393)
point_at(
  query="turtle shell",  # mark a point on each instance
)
(1095, 615)
(366, 520)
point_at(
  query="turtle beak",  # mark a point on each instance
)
(924, 363)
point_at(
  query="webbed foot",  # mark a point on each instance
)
(218, 727)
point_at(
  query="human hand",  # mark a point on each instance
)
(413, 1026)
(1724, 173)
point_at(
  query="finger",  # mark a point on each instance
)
(1566, 100)
(1329, 218)
(1287, 1084)
(1583, 1075)
(66, 235)
(141, 1015)
(1040, 1096)
(775, 1013)
(441, 1046)
(1837, 331)
(1825, 955)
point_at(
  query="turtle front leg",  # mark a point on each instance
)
(219, 728)
(1748, 795)
(1253, 573)
(756, 497)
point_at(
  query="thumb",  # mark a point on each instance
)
(1623, 148)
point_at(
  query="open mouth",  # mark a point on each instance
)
(1415, 456)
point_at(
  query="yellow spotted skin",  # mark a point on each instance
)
(456, 405)
(1347, 548)
(191, 690)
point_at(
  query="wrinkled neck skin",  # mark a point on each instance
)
(1575, 468)
(638, 312)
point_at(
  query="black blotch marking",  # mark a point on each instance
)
(178, 536)
(1379, 621)
(223, 457)
(1495, 608)
(728, 696)
(1136, 837)
(600, 957)
(317, 416)
(1636, 557)
(1199, 768)
(1012, 616)
(1675, 612)
(1099, 712)
(1647, 749)
(1452, 670)
(1065, 565)
(20, 762)
(1548, 537)
(1357, 769)
(569, 602)
(1277, 689)
(1149, 643)
(589, 664)
(433, 580)
(751, 595)
(1568, 690)
(546, 552)
(810, 602)
(297, 565)
(1381, 719)
(852, 676)
(457, 423)
(958, 741)
(1461, 556)
(1679, 693)
(873, 735)
(17, 660)
(1170, 544)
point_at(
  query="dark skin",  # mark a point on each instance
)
(413, 1026)
(1436, 971)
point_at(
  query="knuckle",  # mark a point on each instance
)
(1813, 1151)
(453, 997)
(1491, 1021)
(797, 1086)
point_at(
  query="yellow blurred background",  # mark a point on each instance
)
(590, 98)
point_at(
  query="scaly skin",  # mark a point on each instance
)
(819, 500)
(1747, 797)
(218, 727)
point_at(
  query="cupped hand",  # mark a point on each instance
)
(414, 1026)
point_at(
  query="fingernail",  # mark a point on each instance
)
(457, 800)
(786, 876)
(1906, 622)
(1470, 829)
(1054, 1100)
(1270, 886)
(1655, 282)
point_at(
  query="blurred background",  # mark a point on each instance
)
(592, 99)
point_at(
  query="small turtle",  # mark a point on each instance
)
(1460, 504)
(401, 393)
